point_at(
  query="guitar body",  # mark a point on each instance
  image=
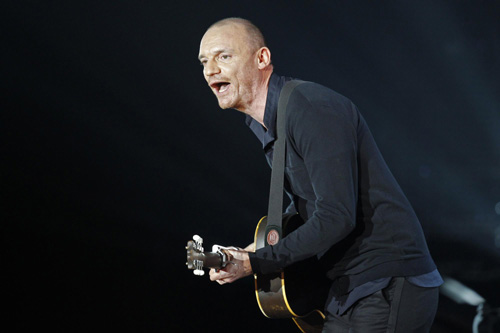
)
(299, 291)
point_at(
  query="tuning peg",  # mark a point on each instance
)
(199, 272)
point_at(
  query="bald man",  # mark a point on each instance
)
(358, 222)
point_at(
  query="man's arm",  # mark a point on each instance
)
(324, 135)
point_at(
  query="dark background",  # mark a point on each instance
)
(114, 151)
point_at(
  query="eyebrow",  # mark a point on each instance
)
(216, 51)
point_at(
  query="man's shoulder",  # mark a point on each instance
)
(317, 93)
(313, 98)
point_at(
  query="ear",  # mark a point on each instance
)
(263, 57)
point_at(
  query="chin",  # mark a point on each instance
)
(225, 105)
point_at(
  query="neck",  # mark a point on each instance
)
(258, 106)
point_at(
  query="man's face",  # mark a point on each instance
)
(229, 66)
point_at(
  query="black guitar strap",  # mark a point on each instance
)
(275, 209)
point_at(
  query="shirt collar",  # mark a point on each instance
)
(276, 83)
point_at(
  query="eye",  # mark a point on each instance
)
(225, 57)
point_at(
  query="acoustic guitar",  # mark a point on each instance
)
(297, 292)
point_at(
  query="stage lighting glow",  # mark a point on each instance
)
(497, 208)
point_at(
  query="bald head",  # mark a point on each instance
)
(236, 65)
(254, 36)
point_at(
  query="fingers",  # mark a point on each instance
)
(237, 267)
(221, 276)
(237, 254)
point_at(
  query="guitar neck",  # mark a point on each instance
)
(212, 260)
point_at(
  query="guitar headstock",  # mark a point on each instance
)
(197, 258)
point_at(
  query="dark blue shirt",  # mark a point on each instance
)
(358, 221)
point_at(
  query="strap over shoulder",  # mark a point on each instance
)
(275, 208)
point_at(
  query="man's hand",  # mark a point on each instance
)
(238, 267)
(250, 247)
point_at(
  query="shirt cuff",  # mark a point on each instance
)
(254, 261)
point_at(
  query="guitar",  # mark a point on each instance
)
(197, 258)
(297, 292)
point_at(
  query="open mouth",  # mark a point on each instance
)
(220, 87)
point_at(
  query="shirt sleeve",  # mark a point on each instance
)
(323, 132)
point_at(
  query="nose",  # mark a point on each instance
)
(211, 68)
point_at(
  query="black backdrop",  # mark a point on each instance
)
(114, 151)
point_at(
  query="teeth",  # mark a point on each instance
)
(223, 87)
